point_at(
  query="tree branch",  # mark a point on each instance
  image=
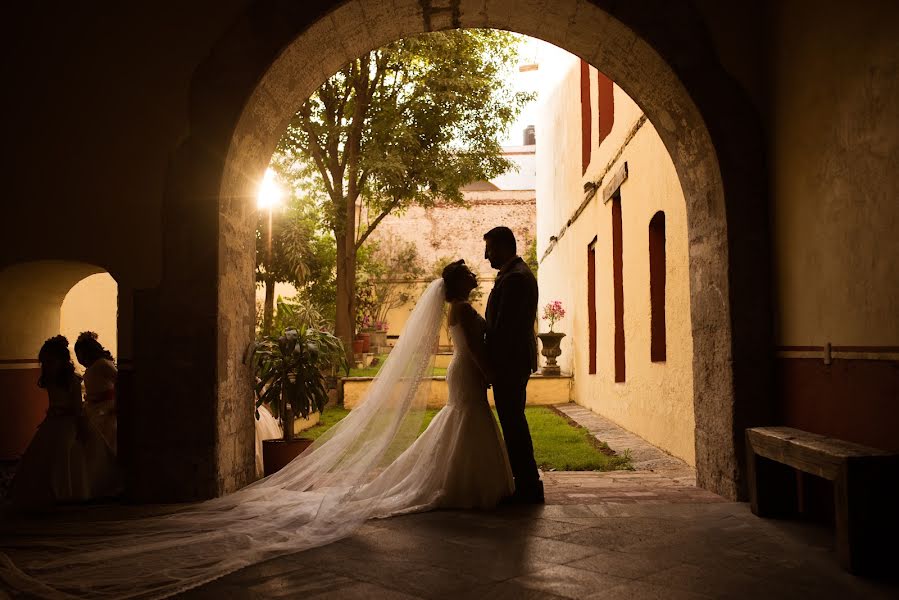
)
(315, 148)
(371, 226)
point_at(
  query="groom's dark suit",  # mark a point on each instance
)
(512, 347)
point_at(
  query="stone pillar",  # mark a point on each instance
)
(187, 407)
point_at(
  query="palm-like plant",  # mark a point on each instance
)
(290, 372)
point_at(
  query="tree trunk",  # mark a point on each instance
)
(268, 310)
(344, 325)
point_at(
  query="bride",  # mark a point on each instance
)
(373, 463)
(460, 461)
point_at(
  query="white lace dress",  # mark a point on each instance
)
(460, 460)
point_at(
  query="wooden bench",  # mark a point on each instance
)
(865, 485)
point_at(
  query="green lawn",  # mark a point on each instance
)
(558, 445)
(373, 370)
(329, 418)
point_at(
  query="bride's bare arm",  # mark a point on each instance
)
(473, 330)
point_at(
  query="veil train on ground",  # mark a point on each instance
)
(318, 498)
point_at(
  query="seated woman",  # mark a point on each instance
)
(67, 459)
(99, 385)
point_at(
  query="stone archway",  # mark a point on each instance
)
(277, 53)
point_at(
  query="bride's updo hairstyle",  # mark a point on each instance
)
(87, 346)
(453, 274)
(55, 349)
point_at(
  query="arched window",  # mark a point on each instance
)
(657, 287)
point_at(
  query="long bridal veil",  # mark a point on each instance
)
(318, 498)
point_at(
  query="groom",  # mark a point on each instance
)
(512, 347)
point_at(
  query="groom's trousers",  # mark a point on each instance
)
(510, 395)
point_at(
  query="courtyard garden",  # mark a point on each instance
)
(558, 444)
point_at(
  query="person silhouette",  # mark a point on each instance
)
(100, 377)
(512, 350)
(67, 460)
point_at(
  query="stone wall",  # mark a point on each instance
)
(458, 231)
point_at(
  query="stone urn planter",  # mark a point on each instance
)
(378, 340)
(551, 351)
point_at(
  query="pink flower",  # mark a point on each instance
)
(553, 312)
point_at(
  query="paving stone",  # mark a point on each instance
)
(639, 535)
(507, 590)
(623, 565)
(428, 582)
(642, 590)
(363, 591)
(621, 533)
(569, 582)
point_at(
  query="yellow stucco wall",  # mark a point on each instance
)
(44, 298)
(397, 317)
(542, 391)
(91, 305)
(656, 400)
(834, 145)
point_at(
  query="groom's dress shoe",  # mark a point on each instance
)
(532, 494)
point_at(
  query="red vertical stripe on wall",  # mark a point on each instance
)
(657, 278)
(618, 283)
(591, 302)
(606, 105)
(586, 117)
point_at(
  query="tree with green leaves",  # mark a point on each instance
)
(285, 257)
(391, 272)
(407, 124)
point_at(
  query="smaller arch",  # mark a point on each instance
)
(42, 299)
(657, 280)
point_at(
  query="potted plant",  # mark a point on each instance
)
(290, 374)
(551, 341)
(365, 334)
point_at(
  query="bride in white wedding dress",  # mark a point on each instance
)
(460, 460)
(371, 464)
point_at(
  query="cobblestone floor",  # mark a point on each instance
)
(643, 534)
(657, 476)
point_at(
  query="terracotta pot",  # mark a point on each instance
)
(551, 351)
(366, 341)
(357, 346)
(278, 453)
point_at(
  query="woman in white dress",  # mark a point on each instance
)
(100, 376)
(373, 463)
(460, 460)
(67, 460)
